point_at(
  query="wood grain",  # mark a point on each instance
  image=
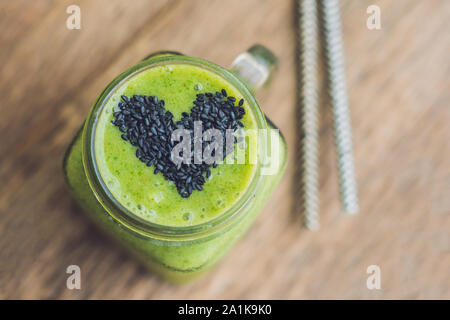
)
(398, 79)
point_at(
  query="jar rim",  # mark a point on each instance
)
(132, 221)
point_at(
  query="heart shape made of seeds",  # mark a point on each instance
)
(146, 124)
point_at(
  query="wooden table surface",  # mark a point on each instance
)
(399, 88)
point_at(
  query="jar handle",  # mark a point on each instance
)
(255, 66)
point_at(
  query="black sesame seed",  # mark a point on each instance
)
(147, 125)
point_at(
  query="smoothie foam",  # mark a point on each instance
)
(134, 185)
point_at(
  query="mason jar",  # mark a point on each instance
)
(180, 253)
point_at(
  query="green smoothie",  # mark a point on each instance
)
(235, 191)
(135, 185)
